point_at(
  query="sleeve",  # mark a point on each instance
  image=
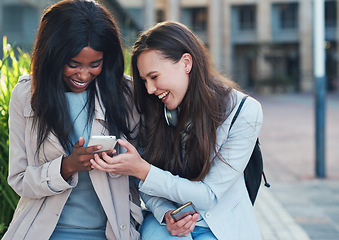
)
(235, 148)
(158, 206)
(29, 180)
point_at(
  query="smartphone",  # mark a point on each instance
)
(182, 211)
(107, 142)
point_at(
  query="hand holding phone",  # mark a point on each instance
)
(184, 210)
(107, 142)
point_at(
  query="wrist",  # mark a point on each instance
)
(144, 171)
(65, 170)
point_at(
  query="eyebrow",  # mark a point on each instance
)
(96, 61)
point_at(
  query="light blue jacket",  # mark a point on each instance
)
(221, 198)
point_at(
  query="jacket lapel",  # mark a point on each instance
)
(98, 126)
(100, 179)
(102, 188)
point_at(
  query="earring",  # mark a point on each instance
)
(187, 70)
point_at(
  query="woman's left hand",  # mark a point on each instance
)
(182, 227)
(128, 163)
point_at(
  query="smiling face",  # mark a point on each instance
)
(82, 69)
(164, 78)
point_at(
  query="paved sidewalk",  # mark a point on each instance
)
(298, 205)
(274, 220)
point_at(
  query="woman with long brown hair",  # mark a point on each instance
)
(188, 152)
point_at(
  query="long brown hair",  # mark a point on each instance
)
(207, 103)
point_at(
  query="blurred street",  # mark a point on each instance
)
(298, 205)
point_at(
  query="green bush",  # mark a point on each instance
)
(13, 64)
(127, 56)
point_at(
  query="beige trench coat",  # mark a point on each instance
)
(42, 189)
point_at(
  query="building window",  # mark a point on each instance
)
(288, 14)
(195, 18)
(330, 13)
(199, 18)
(160, 15)
(247, 17)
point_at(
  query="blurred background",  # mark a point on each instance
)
(268, 48)
(264, 45)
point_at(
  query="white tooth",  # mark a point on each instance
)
(161, 96)
(78, 83)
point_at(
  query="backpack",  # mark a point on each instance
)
(254, 169)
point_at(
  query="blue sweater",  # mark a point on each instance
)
(82, 213)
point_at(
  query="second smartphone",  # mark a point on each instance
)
(184, 210)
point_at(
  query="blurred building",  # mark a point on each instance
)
(19, 20)
(263, 45)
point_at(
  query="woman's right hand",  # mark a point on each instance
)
(127, 163)
(182, 227)
(79, 159)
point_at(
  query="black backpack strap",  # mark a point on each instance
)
(238, 110)
(266, 183)
(233, 120)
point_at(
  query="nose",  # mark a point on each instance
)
(84, 74)
(151, 88)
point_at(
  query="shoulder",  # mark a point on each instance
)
(25, 78)
(129, 81)
(249, 115)
(23, 87)
(249, 103)
(250, 109)
(21, 94)
(128, 78)
(248, 123)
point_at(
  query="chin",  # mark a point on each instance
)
(171, 107)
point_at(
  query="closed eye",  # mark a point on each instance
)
(96, 65)
(72, 66)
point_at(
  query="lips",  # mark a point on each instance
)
(80, 84)
(163, 95)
